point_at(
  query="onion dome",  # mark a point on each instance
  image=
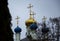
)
(30, 21)
(45, 30)
(17, 29)
(33, 26)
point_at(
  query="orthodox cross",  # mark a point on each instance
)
(30, 7)
(17, 20)
(31, 14)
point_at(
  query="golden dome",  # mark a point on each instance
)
(30, 21)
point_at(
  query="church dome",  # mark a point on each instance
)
(17, 29)
(33, 26)
(30, 21)
(45, 30)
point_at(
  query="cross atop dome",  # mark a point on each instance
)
(30, 7)
(17, 18)
(31, 12)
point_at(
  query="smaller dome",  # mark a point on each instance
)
(45, 30)
(33, 26)
(17, 29)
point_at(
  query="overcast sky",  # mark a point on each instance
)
(48, 8)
